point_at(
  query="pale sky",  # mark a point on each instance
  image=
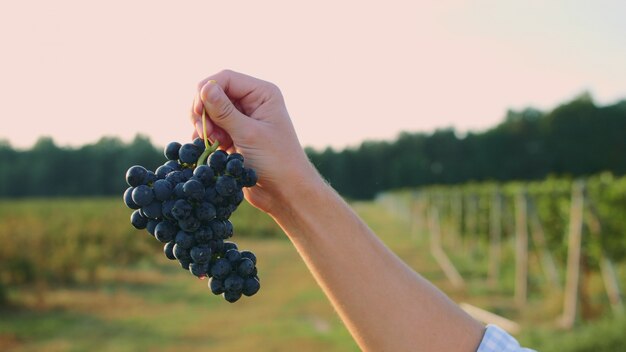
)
(349, 70)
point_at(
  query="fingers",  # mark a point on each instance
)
(236, 85)
(221, 110)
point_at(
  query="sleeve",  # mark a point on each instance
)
(498, 340)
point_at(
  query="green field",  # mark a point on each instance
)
(76, 277)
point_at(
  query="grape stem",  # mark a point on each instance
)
(209, 148)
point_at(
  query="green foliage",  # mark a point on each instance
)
(63, 241)
(603, 336)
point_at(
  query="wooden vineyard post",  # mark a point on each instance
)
(570, 300)
(495, 234)
(437, 251)
(539, 239)
(521, 249)
(606, 266)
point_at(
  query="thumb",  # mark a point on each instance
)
(221, 110)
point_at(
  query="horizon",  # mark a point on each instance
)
(459, 134)
(350, 72)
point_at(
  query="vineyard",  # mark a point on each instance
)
(560, 243)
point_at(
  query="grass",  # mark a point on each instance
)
(150, 304)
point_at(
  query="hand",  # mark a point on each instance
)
(248, 116)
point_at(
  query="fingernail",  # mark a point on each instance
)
(211, 92)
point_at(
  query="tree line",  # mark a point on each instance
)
(574, 139)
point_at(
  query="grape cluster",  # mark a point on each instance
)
(186, 205)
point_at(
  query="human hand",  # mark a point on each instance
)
(248, 116)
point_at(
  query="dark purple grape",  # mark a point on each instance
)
(204, 174)
(171, 151)
(217, 161)
(199, 269)
(137, 220)
(234, 168)
(193, 189)
(189, 153)
(162, 171)
(205, 211)
(181, 209)
(128, 198)
(203, 235)
(142, 195)
(249, 255)
(249, 178)
(233, 256)
(184, 239)
(216, 286)
(251, 286)
(181, 253)
(221, 268)
(233, 283)
(226, 186)
(168, 250)
(245, 267)
(200, 254)
(135, 175)
(165, 231)
(153, 210)
(231, 296)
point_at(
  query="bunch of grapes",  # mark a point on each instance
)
(186, 204)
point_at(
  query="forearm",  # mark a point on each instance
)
(385, 305)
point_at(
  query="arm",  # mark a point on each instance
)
(385, 305)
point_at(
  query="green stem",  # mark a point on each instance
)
(209, 148)
(203, 157)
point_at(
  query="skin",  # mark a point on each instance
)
(385, 305)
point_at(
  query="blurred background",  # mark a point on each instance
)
(483, 141)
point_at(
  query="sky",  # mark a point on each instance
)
(349, 70)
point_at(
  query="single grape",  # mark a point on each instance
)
(233, 283)
(142, 195)
(128, 198)
(199, 269)
(233, 256)
(168, 249)
(249, 178)
(229, 245)
(231, 297)
(162, 171)
(189, 224)
(219, 229)
(251, 286)
(221, 268)
(153, 210)
(203, 235)
(226, 186)
(216, 286)
(204, 174)
(151, 226)
(181, 209)
(234, 167)
(181, 253)
(205, 211)
(137, 220)
(150, 178)
(235, 156)
(175, 177)
(167, 209)
(165, 231)
(193, 189)
(199, 142)
(217, 161)
(135, 175)
(171, 150)
(189, 153)
(184, 239)
(249, 255)
(200, 254)
(173, 164)
(245, 267)
(162, 190)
